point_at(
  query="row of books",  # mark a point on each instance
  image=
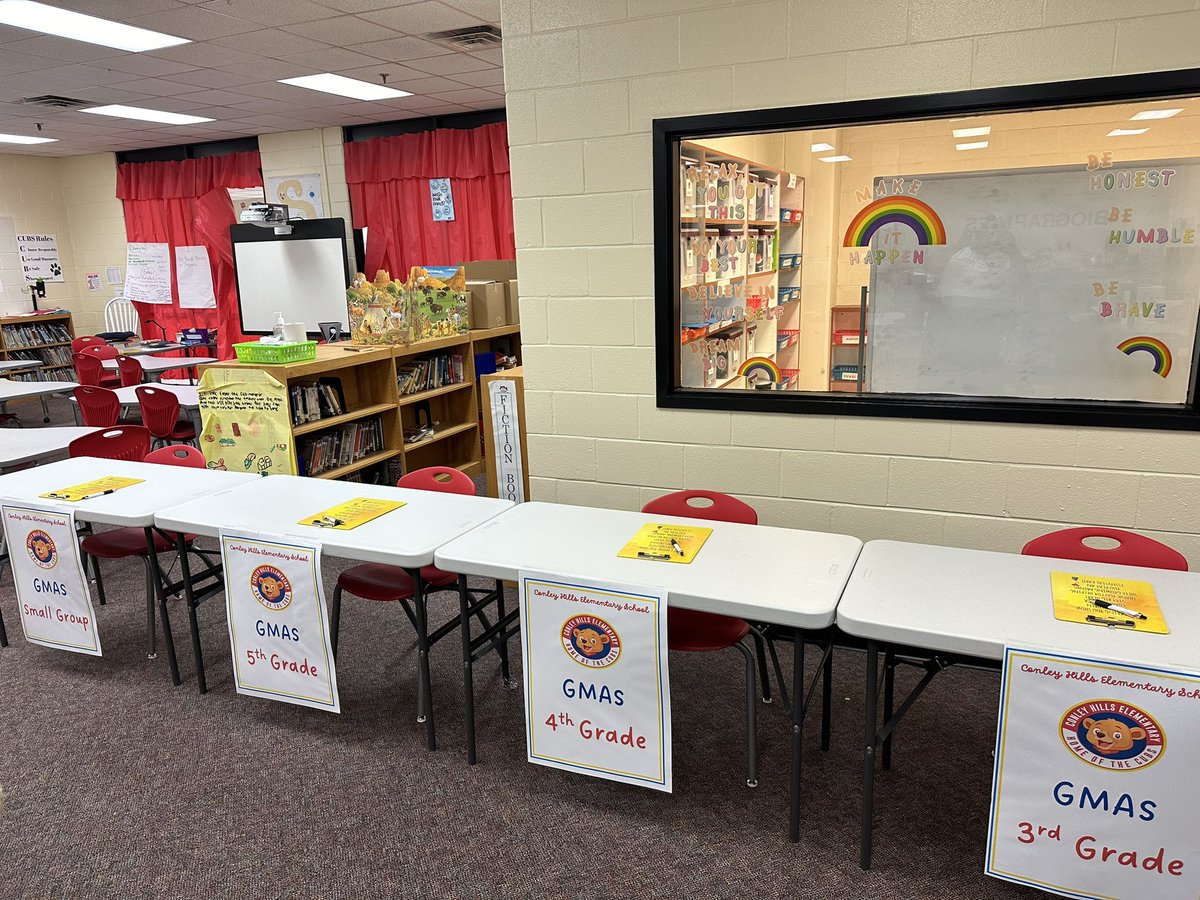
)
(430, 372)
(342, 446)
(313, 401)
(35, 335)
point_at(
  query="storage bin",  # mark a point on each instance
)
(274, 354)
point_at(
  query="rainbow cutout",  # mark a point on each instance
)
(1153, 346)
(916, 214)
(760, 364)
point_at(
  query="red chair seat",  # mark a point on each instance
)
(183, 431)
(695, 631)
(378, 581)
(124, 542)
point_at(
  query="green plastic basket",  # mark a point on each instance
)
(273, 354)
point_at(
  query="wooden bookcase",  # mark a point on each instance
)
(39, 337)
(452, 410)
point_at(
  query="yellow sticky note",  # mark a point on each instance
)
(1109, 602)
(666, 543)
(90, 489)
(352, 513)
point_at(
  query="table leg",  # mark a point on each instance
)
(464, 605)
(161, 595)
(3, 633)
(870, 736)
(826, 700)
(797, 732)
(424, 680)
(189, 599)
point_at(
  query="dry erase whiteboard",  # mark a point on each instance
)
(1051, 284)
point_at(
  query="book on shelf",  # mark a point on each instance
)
(313, 401)
(342, 446)
(36, 335)
(430, 372)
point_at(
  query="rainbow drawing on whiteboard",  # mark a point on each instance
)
(760, 365)
(916, 214)
(1153, 346)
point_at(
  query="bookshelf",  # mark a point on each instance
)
(44, 337)
(440, 422)
(741, 226)
(846, 342)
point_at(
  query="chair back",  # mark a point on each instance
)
(88, 340)
(177, 455)
(1131, 550)
(160, 410)
(131, 442)
(101, 351)
(131, 371)
(98, 406)
(703, 505)
(120, 315)
(88, 369)
(446, 479)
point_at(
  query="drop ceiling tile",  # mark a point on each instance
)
(211, 78)
(120, 10)
(206, 54)
(270, 12)
(79, 75)
(147, 66)
(357, 6)
(428, 85)
(421, 18)
(495, 56)
(264, 70)
(492, 77)
(395, 72)
(468, 95)
(484, 10)
(403, 49)
(345, 31)
(13, 61)
(58, 48)
(157, 87)
(451, 64)
(195, 23)
(273, 42)
(331, 60)
(498, 104)
(207, 98)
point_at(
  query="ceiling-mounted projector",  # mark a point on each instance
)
(268, 215)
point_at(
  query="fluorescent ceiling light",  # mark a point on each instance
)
(973, 145)
(822, 148)
(22, 139)
(972, 132)
(1155, 114)
(345, 87)
(1125, 132)
(145, 115)
(80, 27)
(834, 158)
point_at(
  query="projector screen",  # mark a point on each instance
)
(304, 278)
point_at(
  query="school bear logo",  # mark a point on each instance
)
(271, 588)
(591, 641)
(1111, 734)
(41, 549)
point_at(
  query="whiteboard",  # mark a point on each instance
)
(1032, 295)
(305, 280)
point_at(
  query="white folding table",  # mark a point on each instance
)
(19, 365)
(187, 394)
(946, 605)
(19, 390)
(777, 576)
(154, 366)
(22, 445)
(132, 506)
(406, 537)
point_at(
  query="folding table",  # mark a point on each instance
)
(187, 394)
(132, 506)
(406, 537)
(19, 365)
(941, 606)
(154, 366)
(17, 390)
(778, 576)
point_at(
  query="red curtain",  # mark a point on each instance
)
(389, 194)
(185, 203)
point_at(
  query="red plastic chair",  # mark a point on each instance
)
(98, 407)
(692, 631)
(177, 455)
(90, 370)
(130, 371)
(130, 442)
(160, 413)
(1131, 550)
(87, 340)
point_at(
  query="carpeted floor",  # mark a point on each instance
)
(120, 785)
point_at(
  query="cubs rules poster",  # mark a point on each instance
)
(52, 592)
(597, 697)
(278, 627)
(1095, 791)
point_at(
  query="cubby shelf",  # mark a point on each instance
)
(41, 325)
(331, 421)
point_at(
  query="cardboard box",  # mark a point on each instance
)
(491, 270)
(487, 303)
(512, 303)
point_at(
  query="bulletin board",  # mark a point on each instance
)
(1051, 283)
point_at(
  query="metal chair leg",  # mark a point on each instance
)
(3, 633)
(761, 653)
(151, 598)
(500, 613)
(99, 580)
(751, 725)
(827, 700)
(335, 618)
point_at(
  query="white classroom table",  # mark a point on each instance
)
(22, 445)
(777, 576)
(133, 506)
(405, 537)
(19, 365)
(154, 366)
(951, 602)
(18, 390)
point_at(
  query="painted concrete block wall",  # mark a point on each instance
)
(584, 80)
(96, 220)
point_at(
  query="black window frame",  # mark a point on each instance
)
(667, 134)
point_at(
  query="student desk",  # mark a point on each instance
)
(778, 576)
(18, 390)
(133, 506)
(154, 366)
(406, 537)
(945, 605)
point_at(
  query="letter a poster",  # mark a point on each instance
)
(597, 697)
(1095, 791)
(278, 627)
(52, 592)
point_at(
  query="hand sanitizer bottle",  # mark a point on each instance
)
(277, 332)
